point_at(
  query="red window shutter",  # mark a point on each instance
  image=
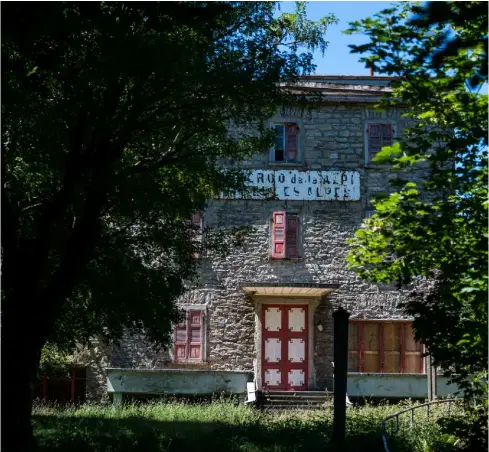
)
(374, 140)
(180, 342)
(292, 141)
(195, 336)
(387, 134)
(278, 235)
(291, 235)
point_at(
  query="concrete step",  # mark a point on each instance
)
(288, 397)
(296, 400)
(292, 407)
(299, 393)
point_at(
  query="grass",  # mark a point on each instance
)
(220, 426)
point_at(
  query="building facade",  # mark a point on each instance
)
(266, 308)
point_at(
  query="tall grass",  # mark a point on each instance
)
(219, 426)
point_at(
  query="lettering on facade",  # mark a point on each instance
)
(389, 300)
(304, 185)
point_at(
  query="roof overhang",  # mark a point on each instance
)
(289, 289)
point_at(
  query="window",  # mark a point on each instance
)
(188, 338)
(285, 235)
(286, 148)
(378, 136)
(383, 347)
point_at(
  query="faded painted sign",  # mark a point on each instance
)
(304, 185)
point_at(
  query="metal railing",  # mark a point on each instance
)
(411, 410)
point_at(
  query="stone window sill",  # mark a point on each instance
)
(286, 259)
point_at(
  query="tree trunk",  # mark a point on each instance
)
(20, 361)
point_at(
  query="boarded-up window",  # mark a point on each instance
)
(286, 148)
(188, 338)
(353, 351)
(413, 352)
(383, 347)
(379, 135)
(285, 235)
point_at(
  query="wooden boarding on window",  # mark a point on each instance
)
(413, 363)
(371, 362)
(353, 362)
(353, 336)
(371, 336)
(392, 337)
(410, 344)
(392, 362)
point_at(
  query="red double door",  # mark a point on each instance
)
(285, 347)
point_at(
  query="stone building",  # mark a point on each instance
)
(266, 308)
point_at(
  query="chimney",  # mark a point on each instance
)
(371, 72)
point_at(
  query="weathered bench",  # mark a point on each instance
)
(175, 381)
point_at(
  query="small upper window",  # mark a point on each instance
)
(286, 148)
(379, 135)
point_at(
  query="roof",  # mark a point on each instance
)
(349, 77)
(350, 88)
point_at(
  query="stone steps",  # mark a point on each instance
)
(296, 400)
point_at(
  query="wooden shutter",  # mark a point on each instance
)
(292, 236)
(374, 140)
(292, 141)
(387, 134)
(195, 335)
(278, 235)
(180, 341)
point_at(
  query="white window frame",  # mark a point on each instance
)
(392, 122)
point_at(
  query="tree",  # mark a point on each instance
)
(115, 120)
(435, 231)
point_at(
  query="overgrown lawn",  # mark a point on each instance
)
(221, 426)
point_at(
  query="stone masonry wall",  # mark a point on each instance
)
(332, 138)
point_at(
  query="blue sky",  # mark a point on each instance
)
(337, 59)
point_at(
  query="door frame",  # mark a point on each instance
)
(284, 335)
(312, 304)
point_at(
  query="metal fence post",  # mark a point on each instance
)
(340, 337)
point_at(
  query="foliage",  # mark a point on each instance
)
(217, 426)
(55, 362)
(435, 230)
(115, 125)
(469, 429)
